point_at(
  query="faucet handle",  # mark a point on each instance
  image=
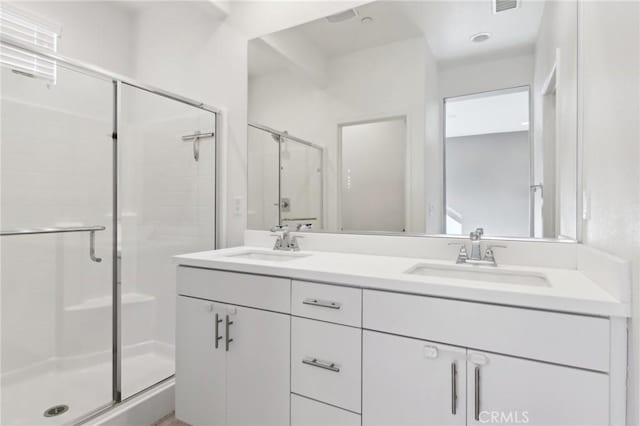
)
(294, 242)
(463, 256)
(488, 253)
(492, 246)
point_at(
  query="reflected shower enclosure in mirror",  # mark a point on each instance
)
(430, 117)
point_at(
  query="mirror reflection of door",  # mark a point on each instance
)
(488, 163)
(372, 183)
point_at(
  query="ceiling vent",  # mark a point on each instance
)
(504, 5)
(342, 16)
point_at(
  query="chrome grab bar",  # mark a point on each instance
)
(326, 365)
(62, 230)
(322, 303)
(295, 219)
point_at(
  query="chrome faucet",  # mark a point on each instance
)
(284, 241)
(476, 258)
(475, 238)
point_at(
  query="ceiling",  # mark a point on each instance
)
(446, 25)
(389, 24)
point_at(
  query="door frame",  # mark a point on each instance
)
(531, 151)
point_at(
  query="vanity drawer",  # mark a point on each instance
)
(342, 305)
(256, 291)
(574, 340)
(326, 362)
(307, 412)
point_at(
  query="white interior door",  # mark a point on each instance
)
(373, 174)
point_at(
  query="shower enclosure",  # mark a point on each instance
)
(285, 182)
(102, 180)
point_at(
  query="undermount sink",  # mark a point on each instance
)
(480, 274)
(273, 256)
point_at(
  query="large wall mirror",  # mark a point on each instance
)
(418, 117)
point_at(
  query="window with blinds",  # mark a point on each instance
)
(30, 30)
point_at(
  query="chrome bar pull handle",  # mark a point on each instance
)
(322, 303)
(454, 388)
(92, 247)
(476, 413)
(326, 365)
(218, 337)
(228, 339)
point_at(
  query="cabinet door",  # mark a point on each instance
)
(506, 390)
(411, 382)
(258, 368)
(200, 367)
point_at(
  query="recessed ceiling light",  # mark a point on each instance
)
(480, 37)
(366, 20)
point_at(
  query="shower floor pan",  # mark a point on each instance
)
(83, 389)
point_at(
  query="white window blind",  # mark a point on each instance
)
(20, 25)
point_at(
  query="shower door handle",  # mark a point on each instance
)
(195, 138)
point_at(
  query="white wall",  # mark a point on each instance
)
(465, 78)
(433, 148)
(289, 102)
(610, 134)
(557, 44)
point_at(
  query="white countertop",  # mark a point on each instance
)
(569, 290)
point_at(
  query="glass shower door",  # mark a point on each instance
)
(263, 189)
(301, 184)
(167, 207)
(56, 191)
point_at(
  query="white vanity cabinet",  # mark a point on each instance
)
(263, 350)
(407, 382)
(530, 387)
(410, 382)
(232, 362)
